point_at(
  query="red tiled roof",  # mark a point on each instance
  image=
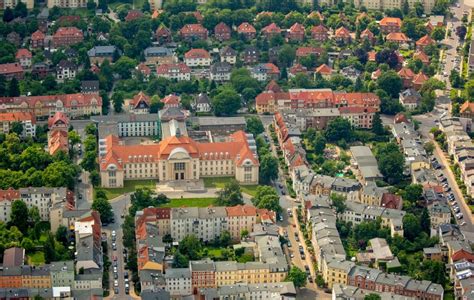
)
(246, 28)
(17, 117)
(222, 27)
(58, 141)
(319, 29)
(79, 100)
(372, 55)
(193, 28)
(342, 32)
(58, 117)
(167, 68)
(10, 68)
(133, 15)
(406, 73)
(68, 31)
(420, 78)
(324, 70)
(140, 97)
(22, 53)
(467, 107)
(462, 254)
(397, 37)
(144, 69)
(297, 28)
(241, 210)
(197, 53)
(171, 100)
(9, 195)
(367, 33)
(389, 21)
(272, 28)
(305, 51)
(315, 14)
(421, 56)
(272, 69)
(425, 41)
(273, 86)
(390, 200)
(298, 68)
(162, 31)
(37, 35)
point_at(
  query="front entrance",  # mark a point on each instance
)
(179, 176)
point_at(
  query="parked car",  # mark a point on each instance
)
(114, 246)
(116, 291)
(116, 283)
(462, 223)
(459, 216)
(310, 279)
(303, 257)
(115, 275)
(289, 244)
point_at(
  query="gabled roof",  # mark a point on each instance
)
(406, 73)
(10, 68)
(196, 54)
(305, 51)
(367, 34)
(171, 100)
(324, 70)
(193, 29)
(139, 98)
(58, 117)
(144, 69)
(298, 68)
(37, 35)
(297, 28)
(273, 86)
(342, 32)
(227, 51)
(246, 28)
(397, 37)
(222, 27)
(272, 28)
(319, 29)
(390, 21)
(419, 54)
(420, 78)
(133, 15)
(23, 53)
(425, 41)
(467, 107)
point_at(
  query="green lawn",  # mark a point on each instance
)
(128, 187)
(36, 258)
(219, 182)
(190, 202)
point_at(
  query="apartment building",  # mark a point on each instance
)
(178, 282)
(73, 105)
(24, 56)
(280, 290)
(88, 233)
(62, 273)
(197, 58)
(228, 55)
(159, 56)
(37, 39)
(180, 158)
(192, 32)
(67, 36)
(178, 71)
(205, 223)
(68, 3)
(58, 138)
(12, 70)
(12, 3)
(247, 31)
(27, 120)
(390, 4)
(98, 54)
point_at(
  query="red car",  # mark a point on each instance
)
(115, 258)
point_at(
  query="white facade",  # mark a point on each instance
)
(225, 76)
(25, 62)
(68, 3)
(147, 128)
(5, 210)
(178, 282)
(203, 107)
(66, 73)
(205, 223)
(260, 76)
(87, 282)
(198, 62)
(176, 75)
(229, 59)
(43, 198)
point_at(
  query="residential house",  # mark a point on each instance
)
(14, 38)
(409, 98)
(424, 41)
(390, 24)
(250, 55)
(197, 58)
(202, 103)
(133, 15)
(271, 30)
(178, 71)
(296, 32)
(467, 110)
(367, 35)
(264, 72)
(178, 281)
(163, 35)
(193, 32)
(98, 54)
(23, 56)
(159, 56)
(67, 36)
(407, 76)
(37, 39)
(342, 35)
(419, 54)
(220, 71)
(228, 55)
(397, 37)
(222, 32)
(12, 70)
(418, 80)
(144, 70)
(247, 31)
(319, 33)
(27, 120)
(65, 70)
(90, 87)
(365, 163)
(58, 134)
(325, 71)
(140, 104)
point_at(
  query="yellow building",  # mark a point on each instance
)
(179, 158)
(232, 272)
(35, 277)
(337, 272)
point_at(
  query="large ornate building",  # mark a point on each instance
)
(180, 158)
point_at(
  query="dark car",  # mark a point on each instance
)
(116, 291)
(127, 291)
(125, 275)
(115, 275)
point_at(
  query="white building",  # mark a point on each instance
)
(178, 282)
(43, 198)
(66, 70)
(197, 58)
(205, 223)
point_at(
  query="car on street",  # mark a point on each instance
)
(115, 269)
(289, 244)
(292, 255)
(306, 268)
(114, 233)
(125, 274)
(303, 257)
(456, 209)
(116, 291)
(114, 246)
(310, 279)
(115, 275)
(127, 291)
(116, 283)
(462, 223)
(459, 216)
(280, 217)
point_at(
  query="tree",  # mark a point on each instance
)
(254, 125)
(440, 7)
(226, 102)
(429, 147)
(372, 297)
(17, 128)
(391, 162)
(34, 215)
(61, 235)
(413, 192)
(74, 138)
(90, 129)
(191, 247)
(180, 260)
(268, 169)
(13, 88)
(286, 56)
(27, 244)
(19, 215)
(425, 221)
(225, 239)
(338, 202)
(8, 15)
(319, 143)
(461, 32)
(244, 234)
(230, 195)
(49, 249)
(118, 100)
(411, 227)
(405, 8)
(438, 33)
(469, 87)
(419, 9)
(20, 10)
(339, 129)
(266, 197)
(102, 205)
(297, 276)
(377, 126)
(124, 66)
(390, 82)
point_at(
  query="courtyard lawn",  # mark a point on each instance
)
(219, 182)
(190, 202)
(128, 187)
(36, 258)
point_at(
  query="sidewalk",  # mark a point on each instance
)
(452, 178)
